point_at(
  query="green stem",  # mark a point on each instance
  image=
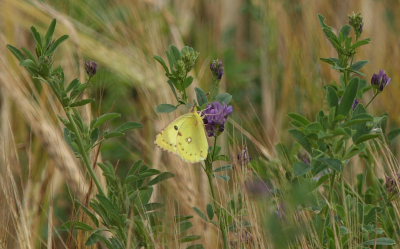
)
(85, 157)
(209, 172)
(376, 94)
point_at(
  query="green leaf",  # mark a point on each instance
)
(393, 134)
(188, 81)
(200, 213)
(300, 118)
(332, 163)
(365, 137)
(37, 37)
(180, 218)
(16, 52)
(129, 126)
(164, 108)
(190, 238)
(301, 168)
(50, 32)
(224, 98)
(301, 139)
(96, 237)
(153, 206)
(28, 63)
(223, 177)
(184, 226)
(358, 65)
(161, 177)
(332, 96)
(348, 97)
(345, 31)
(162, 62)
(360, 43)
(380, 241)
(81, 102)
(113, 134)
(104, 118)
(74, 83)
(332, 61)
(57, 43)
(210, 211)
(223, 168)
(201, 96)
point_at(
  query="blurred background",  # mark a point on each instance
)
(270, 50)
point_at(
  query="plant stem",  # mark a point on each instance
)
(85, 157)
(209, 172)
(376, 94)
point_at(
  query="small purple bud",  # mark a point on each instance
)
(217, 68)
(91, 68)
(356, 102)
(380, 81)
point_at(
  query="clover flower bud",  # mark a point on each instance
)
(380, 81)
(217, 68)
(91, 68)
(356, 21)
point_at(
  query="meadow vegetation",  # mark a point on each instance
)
(297, 98)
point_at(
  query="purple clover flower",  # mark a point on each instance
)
(380, 81)
(217, 68)
(215, 116)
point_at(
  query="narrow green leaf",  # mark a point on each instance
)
(162, 62)
(96, 237)
(361, 43)
(57, 43)
(301, 168)
(161, 177)
(332, 96)
(74, 83)
(129, 126)
(332, 163)
(348, 97)
(223, 177)
(224, 98)
(380, 241)
(365, 137)
(16, 52)
(358, 65)
(210, 211)
(301, 139)
(200, 213)
(28, 63)
(393, 134)
(49, 33)
(223, 168)
(201, 96)
(153, 206)
(37, 37)
(77, 225)
(184, 226)
(300, 118)
(188, 81)
(165, 108)
(113, 134)
(104, 118)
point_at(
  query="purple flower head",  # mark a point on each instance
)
(355, 103)
(217, 68)
(380, 81)
(91, 68)
(215, 116)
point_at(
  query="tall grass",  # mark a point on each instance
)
(271, 51)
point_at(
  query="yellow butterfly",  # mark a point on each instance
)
(186, 137)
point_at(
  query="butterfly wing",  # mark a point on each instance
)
(186, 137)
(166, 139)
(192, 143)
